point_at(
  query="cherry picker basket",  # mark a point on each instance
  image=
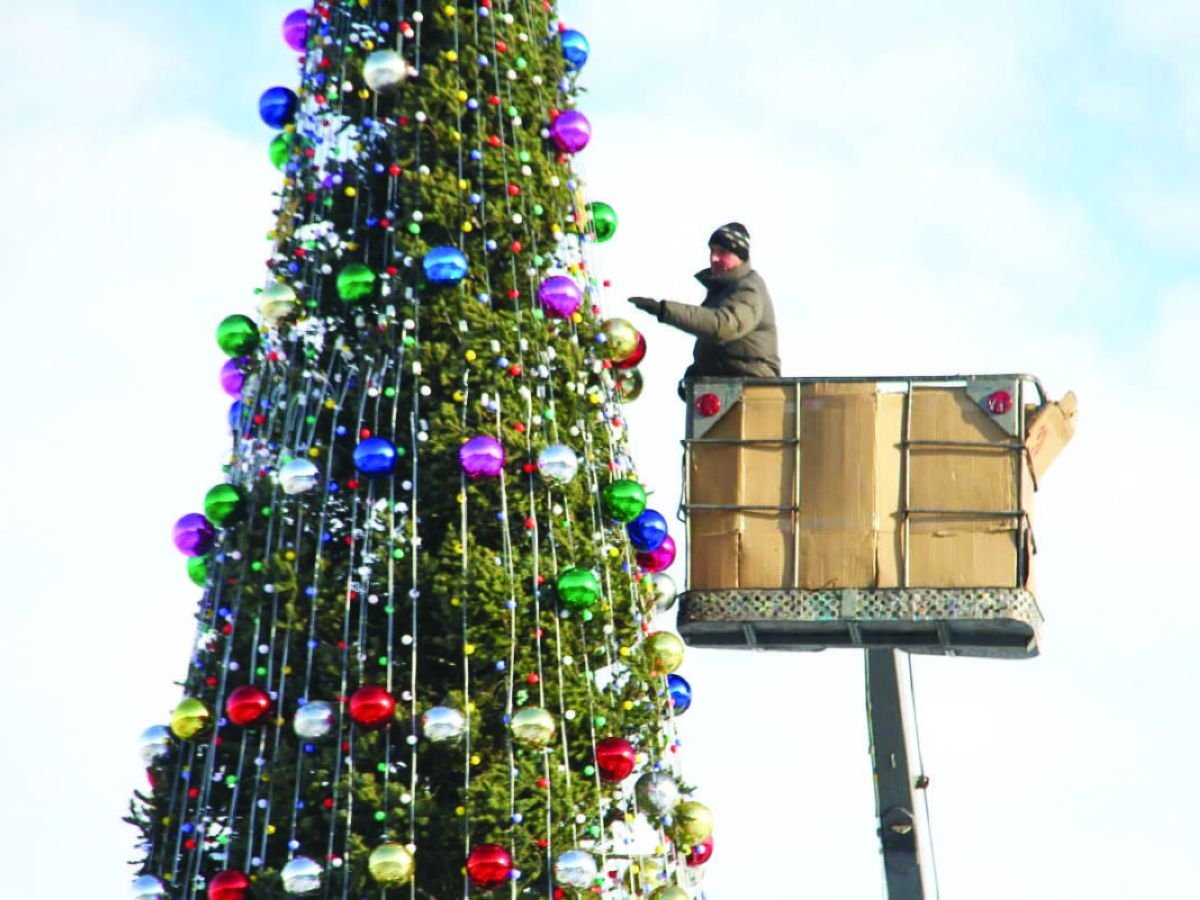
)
(866, 512)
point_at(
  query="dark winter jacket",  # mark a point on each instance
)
(734, 326)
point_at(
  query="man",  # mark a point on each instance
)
(735, 325)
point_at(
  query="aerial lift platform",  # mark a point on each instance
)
(880, 513)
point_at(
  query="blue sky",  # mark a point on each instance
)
(930, 187)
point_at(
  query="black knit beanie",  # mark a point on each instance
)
(732, 237)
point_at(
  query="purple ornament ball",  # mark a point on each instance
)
(232, 377)
(571, 131)
(659, 558)
(559, 296)
(481, 457)
(295, 29)
(193, 534)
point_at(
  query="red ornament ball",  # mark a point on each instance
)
(372, 707)
(708, 405)
(999, 402)
(228, 885)
(615, 758)
(489, 866)
(638, 354)
(247, 705)
(700, 852)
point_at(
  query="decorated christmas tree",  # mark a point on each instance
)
(426, 662)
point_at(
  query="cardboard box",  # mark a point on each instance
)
(820, 503)
(1049, 429)
(961, 461)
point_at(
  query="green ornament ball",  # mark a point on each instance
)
(280, 150)
(222, 503)
(355, 282)
(197, 569)
(623, 500)
(237, 335)
(578, 588)
(604, 220)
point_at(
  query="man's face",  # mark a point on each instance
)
(722, 260)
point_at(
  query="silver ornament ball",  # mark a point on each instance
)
(665, 591)
(298, 476)
(575, 868)
(313, 720)
(443, 723)
(558, 463)
(155, 744)
(384, 69)
(301, 876)
(147, 887)
(657, 793)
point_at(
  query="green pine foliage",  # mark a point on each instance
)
(435, 586)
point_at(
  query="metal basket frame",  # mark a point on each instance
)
(1001, 621)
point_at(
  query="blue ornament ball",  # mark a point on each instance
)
(235, 416)
(375, 457)
(575, 48)
(277, 106)
(445, 265)
(680, 691)
(647, 531)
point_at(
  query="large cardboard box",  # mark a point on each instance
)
(856, 485)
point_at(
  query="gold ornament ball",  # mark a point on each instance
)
(665, 651)
(191, 717)
(629, 385)
(391, 865)
(278, 304)
(693, 822)
(621, 338)
(671, 892)
(533, 727)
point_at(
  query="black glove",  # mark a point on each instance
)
(649, 305)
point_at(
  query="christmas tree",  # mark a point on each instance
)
(426, 664)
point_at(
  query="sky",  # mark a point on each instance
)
(930, 187)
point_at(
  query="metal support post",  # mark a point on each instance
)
(893, 785)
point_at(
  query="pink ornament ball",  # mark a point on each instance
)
(559, 296)
(295, 29)
(571, 131)
(193, 534)
(482, 457)
(232, 377)
(659, 558)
